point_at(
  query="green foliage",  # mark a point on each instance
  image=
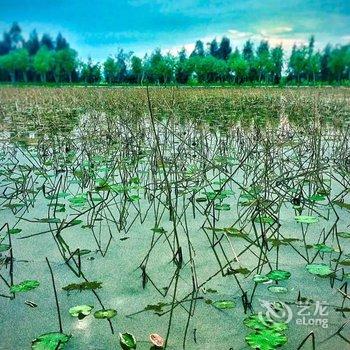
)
(54, 60)
(17, 60)
(105, 314)
(43, 62)
(127, 341)
(83, 286)
(50, 341)
(65, 62)
(24, 286)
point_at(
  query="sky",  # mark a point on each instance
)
(99, 28)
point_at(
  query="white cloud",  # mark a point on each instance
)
(276, 31)
(236, 34)
(345, 39)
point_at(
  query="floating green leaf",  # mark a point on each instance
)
(127, 341)
(83, 286)
(317, 198)
(224, 304)
(24, 286)
(342, 205)
(78, 200)
(344, 234)
(306, 219)
(260, 322)
(14, 231)
(4, 247)
(260, 279)
(319, 269)
(50, 341)
(223, 206)
(105, 313)
(323, 248)
(267, 339)
(278, 289)
(265, 220)
(278, 275)
(80, 311)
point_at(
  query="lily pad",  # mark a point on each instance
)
(78, 200)
(306, 219)
(265, 220)
(342, 205)
(345, 262)
(223, 206)
(267, 339)
(106, 313)
(83, 286)
(319, 269)
(50, 341)
(323, 248)
(14, 231)
(260, 279)
(344, 234)
(278, 289)
(260, 322)
(24, 286)
(80, 311)
(278, 275)
(4, 247)
(127, 341)
(224, 304)
(317, 198)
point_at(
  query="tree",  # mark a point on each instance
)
(198, 49)
(238, 66)
(122, 59)
(346, 49)
(298, 62)
(43, 62)
(248, 51)
(16, 38)
(5, 44)
(209, 69)
(160, 68)
(8, 65)
(214, 48)
(16, 60)
(262, 61)
(22, 61)
(277, 63)
(337, 62)
(46, 40)
(61, 43)
(183, 68)
(310, 58)
(65, 61)
(225, 48)
(314, 65)
(136, 69)
(248, 55)
(90, 72)
(33, 43)
(110, 69)
(325, 56)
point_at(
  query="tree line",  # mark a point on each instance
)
(47, 60)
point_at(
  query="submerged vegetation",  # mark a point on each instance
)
(176, 218)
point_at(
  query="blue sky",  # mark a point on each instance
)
(99, 28)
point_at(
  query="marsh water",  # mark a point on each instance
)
(181, 221)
